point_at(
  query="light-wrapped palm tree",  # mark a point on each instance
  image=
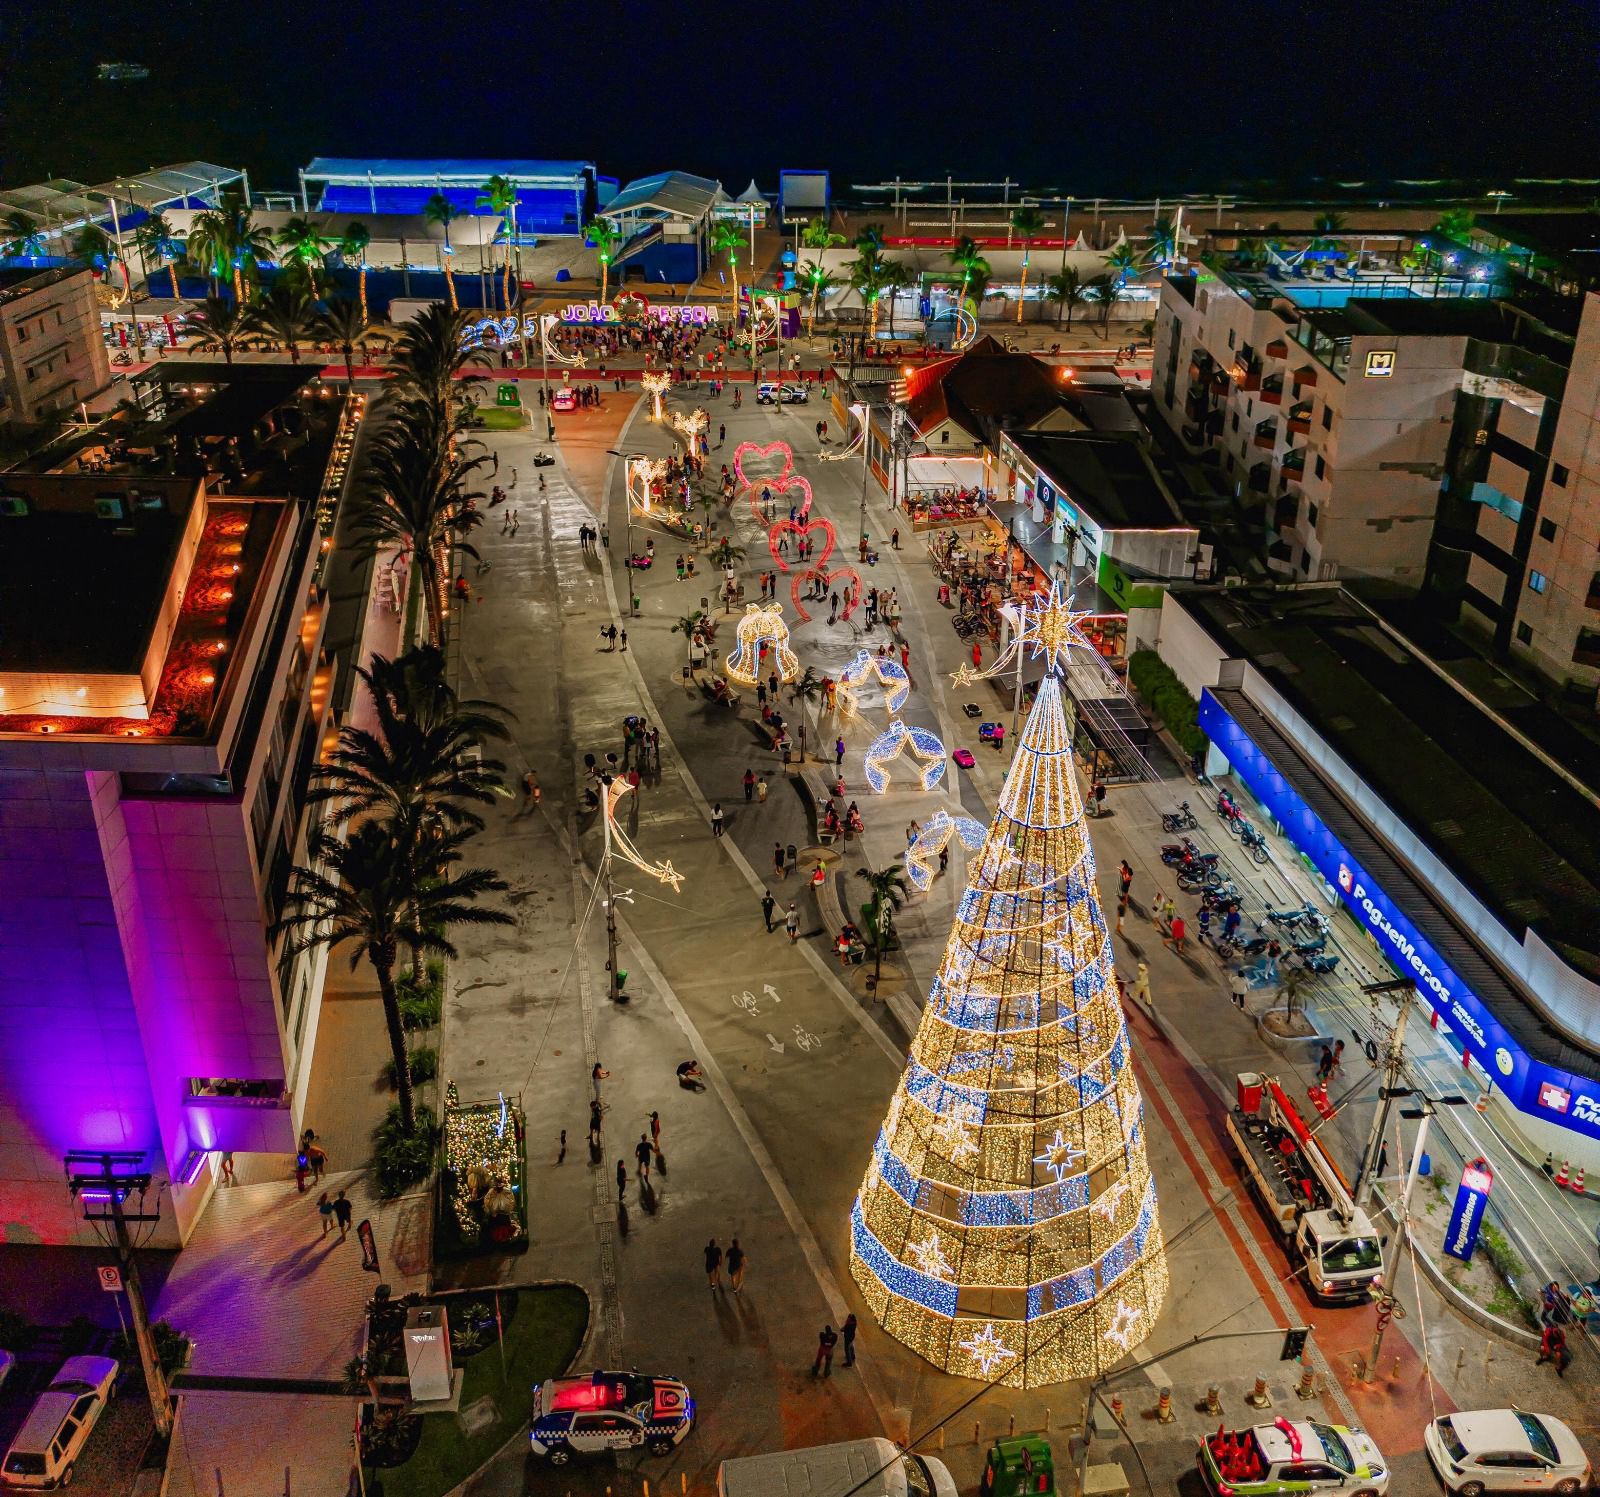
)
(1026, 223)
(430, 354)
(155, 239)
(344, 324)
(304, 244)
(602, 234)
(229, 243)
(440, 210)
(353, 246)
(500, 198)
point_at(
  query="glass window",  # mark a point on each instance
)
(1451, 1440)
(1352, 1255)
(1524, 634)
(1334, 1447)
(1558, 475)
(1311, 515)
(1547, 530)
(1327, 418)
(1536, 581)
(1322, 467)
(1538, 1435)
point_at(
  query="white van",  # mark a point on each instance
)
(832, 1470)
(44, 1450)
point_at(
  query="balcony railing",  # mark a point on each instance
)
(1272, 390)
(1294, 463)
(1266, 436)
(1277, 349)
(1300, 418)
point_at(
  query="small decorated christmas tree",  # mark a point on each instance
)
(1007, 1226)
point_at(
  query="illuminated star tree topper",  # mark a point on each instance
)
(1046, 628)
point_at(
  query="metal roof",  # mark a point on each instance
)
(675, 193)
(62, 203)
(454, 171)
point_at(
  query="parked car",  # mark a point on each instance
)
(564, 399)
(608, 1411)
(46, 1448)
(1502, 1450)
(770, 392)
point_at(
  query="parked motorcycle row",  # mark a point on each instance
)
(1299, 936)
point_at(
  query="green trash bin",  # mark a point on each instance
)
(506, 394)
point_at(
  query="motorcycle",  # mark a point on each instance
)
(1183, 819)
(1289, 919)
(1230, 813)
(1321, 964)
(1181, 852)
(1255, 842)
(1309, 946)
(1230, 946)
(1191, 878)
(1219, 898)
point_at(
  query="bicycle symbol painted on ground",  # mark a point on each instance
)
(804, 1038)
(747, 1001)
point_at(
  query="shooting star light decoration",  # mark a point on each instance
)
(890, 674)
(922, 857)
(925, 748)
(619, 844)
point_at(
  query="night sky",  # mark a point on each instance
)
(1102, 99)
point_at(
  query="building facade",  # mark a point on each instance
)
(166, 683)
(52, 352)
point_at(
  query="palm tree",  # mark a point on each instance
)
(1067, 291)
(897, 277)
(365, 889)
(1105, 291)
(220, 326)
(889, 891)
(1121, 262)
(414, 492)
(1163, 242)
(870, 276)
(1027, 223)
(93, 246)
(725, 239)
(306, 246)
(353, 246)
(817, 235)
(421, 764)
(968, 259)
(725, 553)
(344, 324)
(283, 315)
(25, 241)
(500, 198)
(870, 238)
(688, 626)
(154, 238)
(439, 210)
(1327, 225)
(229, 243)
(820, 282)
(603, 235)
(808, 687)
(430, 353)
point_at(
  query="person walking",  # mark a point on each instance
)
(1124, 877)
(1141, 987)
(316, 1161)
(749, 785)
(1338, 1056)
(1175, 935)
(1122, 909)
(1238, 987)
(622, 1178)
(641, 1152)
(768, 904)
(594, 1125)
(716, 819)
(827, 1339)
(714, 1264)
(847, 1331)
(325, 1211)
(342, 1212)
(838, 753)
(761, 788)
(736, 1265)
(596, 1076)
(777, 858)
(791, 923)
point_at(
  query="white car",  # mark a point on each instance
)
(1503, 1450)
(1288, 1458)
(46, 1448)
(771, 392)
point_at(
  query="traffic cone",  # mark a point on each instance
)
(1562, 1174)
(1577, 1181)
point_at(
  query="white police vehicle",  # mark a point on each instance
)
(608, 1411)
(771, 392)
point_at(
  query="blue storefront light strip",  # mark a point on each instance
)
(1543, 1091)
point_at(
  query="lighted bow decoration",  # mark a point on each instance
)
(925, 748)
(656, 385)
(762, 625)
(622, 847)
(922, 857)
(1047, 627)
(547, 321)
(891, 676)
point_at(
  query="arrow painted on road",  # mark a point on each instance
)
(775, 1043)
(771, 992)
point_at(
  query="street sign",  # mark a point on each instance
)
(1466, 1216)
(1294, 1344)
(110, 1279)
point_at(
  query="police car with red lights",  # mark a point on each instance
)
(608, 1411)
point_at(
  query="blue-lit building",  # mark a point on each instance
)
(1452, 816)
(553, 197)
(665, 225)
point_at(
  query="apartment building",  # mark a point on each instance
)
(52, 353)
(165, 684)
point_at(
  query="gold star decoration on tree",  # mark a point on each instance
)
(1047, 627)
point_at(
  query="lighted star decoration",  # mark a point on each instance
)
(925, 748)
(930, 1258)
(922, 857)
(890, 675)
(955, 1132)
(621, 846)
(1059, 1157)
(1124, 1325)
(1047, 628)
(988, 1349)
(656, 385)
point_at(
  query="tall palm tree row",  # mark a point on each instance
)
(431, 352)
(500, 198)
(344, 324)
(1067, 290)
(1027, 224)
(229, 243)
(303, 244)
(284, 314)
(414, 492)
(440, 210)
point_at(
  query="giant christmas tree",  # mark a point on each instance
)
(1007, 1225)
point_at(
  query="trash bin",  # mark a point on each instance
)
(1250, 1086)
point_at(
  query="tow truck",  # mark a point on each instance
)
(1305, 1194)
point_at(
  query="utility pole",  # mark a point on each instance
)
(613, 988)
(866, 459)
(1393, 1065)
(115, 1176)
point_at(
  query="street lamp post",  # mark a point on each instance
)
(861, 411)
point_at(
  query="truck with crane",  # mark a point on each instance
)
(1305, 1194)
